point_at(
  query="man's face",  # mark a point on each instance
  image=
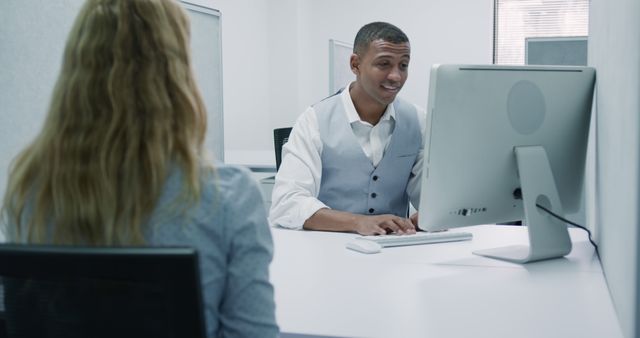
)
(382, 70)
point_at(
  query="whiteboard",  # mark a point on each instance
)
(32, 38)
(340, 73)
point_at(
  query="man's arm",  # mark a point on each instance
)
(334, 220)
(294, 199)
(297, 184)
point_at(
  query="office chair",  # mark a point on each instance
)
(280, 137)
(62, 291)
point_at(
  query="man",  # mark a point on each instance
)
(354, 160)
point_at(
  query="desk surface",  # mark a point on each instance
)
(438, 290)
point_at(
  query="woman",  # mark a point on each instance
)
(119, 161)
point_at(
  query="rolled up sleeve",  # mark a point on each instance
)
(294, 197)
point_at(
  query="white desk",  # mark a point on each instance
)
(437, 290)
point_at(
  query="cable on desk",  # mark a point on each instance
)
(572, 223)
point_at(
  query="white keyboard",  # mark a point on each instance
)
(418, 238)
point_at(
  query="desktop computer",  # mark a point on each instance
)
(506, 143)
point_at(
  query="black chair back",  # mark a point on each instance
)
(280, 137)
(56, 291)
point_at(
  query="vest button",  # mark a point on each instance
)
(373, 195)
(375, 177)
(371, 211)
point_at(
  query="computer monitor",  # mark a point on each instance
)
(502, 141)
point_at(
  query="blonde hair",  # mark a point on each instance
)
(125, 110)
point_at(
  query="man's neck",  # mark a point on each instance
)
(368, 110)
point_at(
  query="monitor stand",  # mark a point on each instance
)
(548, 236)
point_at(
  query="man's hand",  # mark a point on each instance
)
(382, 224)
(333, 220)
(414, 219)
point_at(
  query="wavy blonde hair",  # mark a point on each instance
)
(125, 109)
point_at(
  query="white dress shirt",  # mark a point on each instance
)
(294, 198)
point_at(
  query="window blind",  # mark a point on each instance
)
(516, 20)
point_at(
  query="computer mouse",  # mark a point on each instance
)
(364, 246)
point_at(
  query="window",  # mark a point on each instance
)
(519, 20)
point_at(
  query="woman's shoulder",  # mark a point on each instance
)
(230, 186)
(226, 193)
(233, 196)
(226, 178)
(218, 182)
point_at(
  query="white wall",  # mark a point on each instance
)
(614, 49)
(28, 70)
(286, 36)
(276, 53)
(245, 59)
(455, 31)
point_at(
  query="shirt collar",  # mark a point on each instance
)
(352, 114)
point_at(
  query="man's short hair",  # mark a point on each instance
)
(377, 31)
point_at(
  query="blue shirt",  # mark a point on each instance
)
(228, 226)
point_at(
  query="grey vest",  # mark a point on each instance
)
(349, 180)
